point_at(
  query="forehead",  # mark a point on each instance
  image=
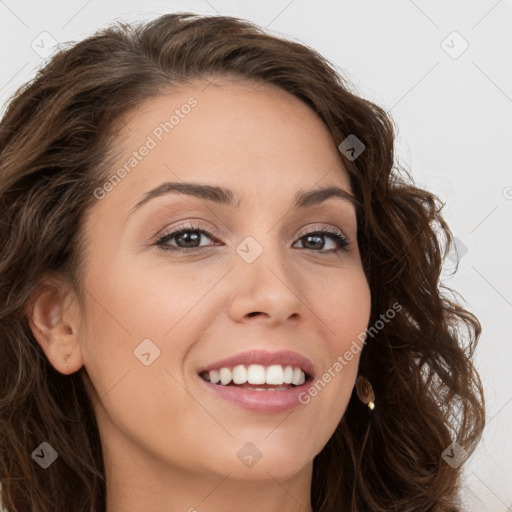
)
(257, 138)
(210, 111)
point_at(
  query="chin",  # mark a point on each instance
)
(278, 457)
(278, 468)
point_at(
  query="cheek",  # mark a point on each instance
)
(344, 311)
(134, 366)
(344, 307)
(142, 322)
(141, 301)
(165, 297)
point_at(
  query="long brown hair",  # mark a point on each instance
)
(55, 139)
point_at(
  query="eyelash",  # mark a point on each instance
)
(333, 233)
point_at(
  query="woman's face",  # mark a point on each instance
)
(158, 315)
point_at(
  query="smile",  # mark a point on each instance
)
(260, 381)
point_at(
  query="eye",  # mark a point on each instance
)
(314, 239)
(188, 239)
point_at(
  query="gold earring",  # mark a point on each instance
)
(365, 392)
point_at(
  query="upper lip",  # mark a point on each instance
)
(265, 358)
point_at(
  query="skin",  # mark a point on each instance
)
(168, 444)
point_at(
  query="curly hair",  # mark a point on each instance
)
(56, 136)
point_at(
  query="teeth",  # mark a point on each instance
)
(256, 374)
(275, 375)
(225, 376)
(239, 374)
(288, 375)
(280, 388)
(298, 377)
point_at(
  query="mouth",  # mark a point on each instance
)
(257, 377)
(260, 381)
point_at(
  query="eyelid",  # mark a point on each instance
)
(322, 227)
(190, 225)
(194, 224)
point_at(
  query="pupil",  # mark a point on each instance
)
(319, 242)
(187, 238)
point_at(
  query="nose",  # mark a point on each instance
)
(266, 290)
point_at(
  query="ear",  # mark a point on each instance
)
(53, 317)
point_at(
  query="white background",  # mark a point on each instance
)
(453, 114)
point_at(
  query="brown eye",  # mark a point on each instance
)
(315, 240)
(187, 238)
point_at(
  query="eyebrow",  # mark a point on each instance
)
(227, 197)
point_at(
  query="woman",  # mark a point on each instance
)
(218, 289)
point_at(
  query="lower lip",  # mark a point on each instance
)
(260, 401)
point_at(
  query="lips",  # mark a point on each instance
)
(259, 381)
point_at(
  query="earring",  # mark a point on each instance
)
(365, 392)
